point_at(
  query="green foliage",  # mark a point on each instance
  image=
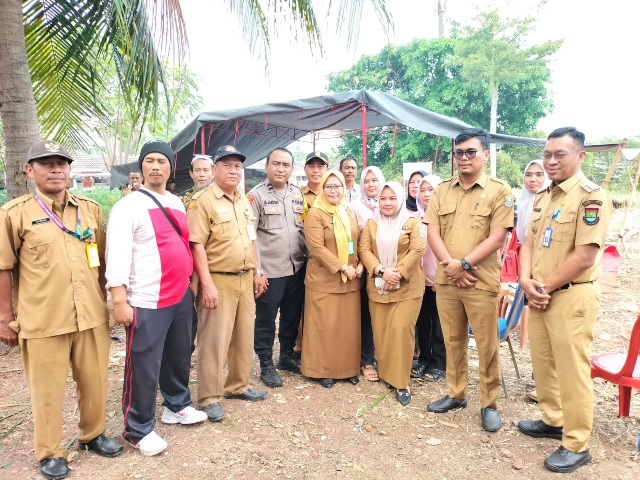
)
(425, 73)
(509, 170)
(105, 197)
(3, 197)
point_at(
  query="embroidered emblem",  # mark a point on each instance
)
(508, 201)
(591, 216)
(537, 209)
(52, 147)
(251, 198)
(591, 202)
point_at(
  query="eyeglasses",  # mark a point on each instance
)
(559, 156)
(333, 187)
(458, 154)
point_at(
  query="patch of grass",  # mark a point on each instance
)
(105, 197)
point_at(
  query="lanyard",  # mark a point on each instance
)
(79, 234)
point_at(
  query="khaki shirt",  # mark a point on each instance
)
(309, 195)
(222, 226)
(55, 290)
(465, 218)
(323, 268)
(281, 243)
(578, 212)
(411, 246)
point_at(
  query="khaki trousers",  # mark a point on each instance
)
(459, 307)
(560, 338)
(226, 332)
(46, 366)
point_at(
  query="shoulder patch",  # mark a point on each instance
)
(591, 216)
(588, 186)
(251, 198)
(592, 202)
(16, 201)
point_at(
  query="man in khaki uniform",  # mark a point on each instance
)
(52, 251)
(201, 172)
(222, 238)
(315, 165)
(135, 182)
(279, 207)
(469, 216)
(559, 269)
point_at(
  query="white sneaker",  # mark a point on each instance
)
(152, 444)
(186, 416)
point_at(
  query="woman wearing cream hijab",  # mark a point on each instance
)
(391, 247)
(535, 181)
(331, 327)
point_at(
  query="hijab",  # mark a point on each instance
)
(525, 203)
(370, 203)
(341, 223)
(411, 202)
(389, 228)
(432, 180)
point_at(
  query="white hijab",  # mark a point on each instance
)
(525, 203)
(389, 228)
(432, 180)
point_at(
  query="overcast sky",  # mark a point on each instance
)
(593, 84)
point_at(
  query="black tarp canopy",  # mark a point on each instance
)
(257, 130)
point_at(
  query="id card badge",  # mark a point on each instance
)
(92, 255)
(546, 239)
(251, 231)
(352, 247)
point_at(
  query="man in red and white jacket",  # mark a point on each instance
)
(149, 265)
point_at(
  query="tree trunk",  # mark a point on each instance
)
(493, 90)
(17, 104)
(442, 7)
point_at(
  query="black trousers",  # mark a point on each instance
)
(287, 295)
(366, 331)
(158, 352)
(430, 339)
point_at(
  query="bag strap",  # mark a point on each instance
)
(166, 214)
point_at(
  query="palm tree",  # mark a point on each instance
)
(51, 54)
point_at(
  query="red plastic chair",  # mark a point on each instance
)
(621, 369)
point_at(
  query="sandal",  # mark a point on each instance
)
(434, 375)
(369, 372)
(533, 395)
(418, 370)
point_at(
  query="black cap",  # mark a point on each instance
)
(48, 148)
(227, 151)
(157, 146)
(319, 155)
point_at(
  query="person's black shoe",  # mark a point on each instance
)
(327, 382)
(403, 396)
(566, 461)
(491, 421)
(268, 373)
(248, 395)
(103, 446)
(539, 429)
(446, 403)
(289, 361)
(353, 380)
(54, 468)
(214, 411)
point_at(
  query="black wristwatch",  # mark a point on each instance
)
(381, 272)
(465, 265)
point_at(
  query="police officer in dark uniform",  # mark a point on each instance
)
(279, 206)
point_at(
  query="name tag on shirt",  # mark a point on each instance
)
(546, 239)
(352, 248)
(251, 231)
(92, 255)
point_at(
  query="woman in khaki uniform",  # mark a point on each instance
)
(391, 247)
(331, 332)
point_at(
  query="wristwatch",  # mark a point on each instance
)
(465, 265)
(258, 272)
(381, 272)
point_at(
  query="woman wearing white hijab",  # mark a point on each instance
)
(535, 181)
(391, 248)
(371, 181)
(432, 362)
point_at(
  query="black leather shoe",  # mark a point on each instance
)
(566, 461)
(270, 377)
(54, 468)
(103, 446)
(491, 421)
(403, 396)
(446, 403)
(214, 412)
(249, 395)
(353, 380)
(539, 429)
(289, 361)
(327, 382)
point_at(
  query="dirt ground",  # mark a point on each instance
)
(303, 430)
